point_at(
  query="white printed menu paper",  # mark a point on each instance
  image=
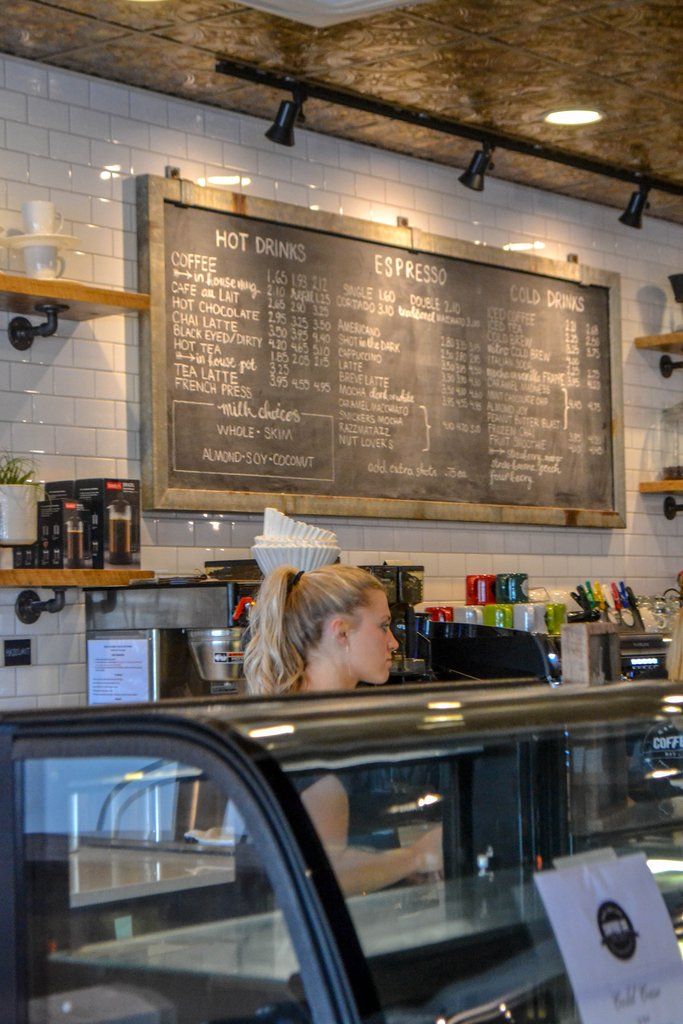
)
(617, 941)
(118, 671)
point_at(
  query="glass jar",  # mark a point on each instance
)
(74, 547)
(672, 442)
(119, 532)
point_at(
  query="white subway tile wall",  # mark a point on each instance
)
(74, 399)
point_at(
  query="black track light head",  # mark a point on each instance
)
(290, 111)
(480, 163)
(281, 130)
(632, 216)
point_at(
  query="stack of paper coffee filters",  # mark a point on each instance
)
(285, 541)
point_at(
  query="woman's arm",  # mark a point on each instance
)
(361, 871)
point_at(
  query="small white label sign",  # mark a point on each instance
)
(617, 941)
(118, 671)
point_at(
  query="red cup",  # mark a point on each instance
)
(480, 589)
(440, 614)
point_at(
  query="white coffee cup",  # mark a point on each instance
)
(43, 261)
(470, 613)
(41, 218)
(524, 617)
(539, 625)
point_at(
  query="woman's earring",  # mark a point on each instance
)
(347, 648)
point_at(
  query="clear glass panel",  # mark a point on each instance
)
(672, 433)
(147, 901)
(470, 943)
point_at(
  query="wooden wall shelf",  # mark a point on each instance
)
(671, 507)
(661, 487)
(20, 294)
(71, 577)
(662, 342)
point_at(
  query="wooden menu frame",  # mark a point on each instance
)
(154, 192)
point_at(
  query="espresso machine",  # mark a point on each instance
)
(172, 637)
(404, 587)
(476, 654)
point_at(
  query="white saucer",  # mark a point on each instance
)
(21, 241)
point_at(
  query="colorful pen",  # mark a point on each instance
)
(615, 595)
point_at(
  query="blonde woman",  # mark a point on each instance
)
(320, 632)
(674, 656)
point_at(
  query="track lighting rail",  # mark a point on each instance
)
(494, 140)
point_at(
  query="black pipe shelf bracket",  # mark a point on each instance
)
(667, 366)
(672, 507)
(22, 332)
(29, 607)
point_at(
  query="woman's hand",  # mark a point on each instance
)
(428, 852)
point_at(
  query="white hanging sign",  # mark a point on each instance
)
(617, 941)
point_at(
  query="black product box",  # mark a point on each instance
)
(63, 534)
(114, 507)
(25, 556)
(60, 489)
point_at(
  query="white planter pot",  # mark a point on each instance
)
(18, 523)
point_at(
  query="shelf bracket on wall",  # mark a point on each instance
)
(29, 607)
(671, 507)
(667, 366)
(22, 332)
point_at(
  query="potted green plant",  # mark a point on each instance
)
(19, 494)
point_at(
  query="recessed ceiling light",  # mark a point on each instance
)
(576, 117)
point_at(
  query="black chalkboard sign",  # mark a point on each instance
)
(329, 369)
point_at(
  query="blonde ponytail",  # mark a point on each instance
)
(674, 656)
(287, 620)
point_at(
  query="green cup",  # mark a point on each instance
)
(555, 616)
(498, 615)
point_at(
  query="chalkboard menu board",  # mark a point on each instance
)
(330, 366)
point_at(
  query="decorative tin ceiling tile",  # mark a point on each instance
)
(247, 36)
(485, 16)
(324, 117)
(557, 41)
(657, 24)
(416, 141)
(383, 36)
(623, 107)
(146, 16)
(657, 79)
(255, 100)
(33, 32)
(145, 61)
(670, 208)
(498, 65)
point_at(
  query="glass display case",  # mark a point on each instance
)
(367, 858)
